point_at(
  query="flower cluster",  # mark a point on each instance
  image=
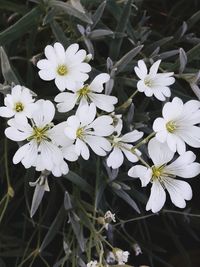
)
(93, 125)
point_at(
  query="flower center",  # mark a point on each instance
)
(62, 70)
(157, 172)
(19, 107)
(84, 91)
(148, 81)
(40, 134)
(171, 126)
(80, 133)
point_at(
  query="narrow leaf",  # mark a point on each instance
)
(122, 194)
(6, 69)
(182, 59)
(70, 10)
(100, 33)
(21, 27)
(79, 181)
(98, 14)
(122, 63)
(37, 198)
(54, 228)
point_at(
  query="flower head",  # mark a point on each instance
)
(121, 256)
(65, 67)
(162, 175)
(122, 147)
(92, 264)
(85, 94)
(40, 149)
(154, 83)
(19, 104)
(85, 130)
(177, 126)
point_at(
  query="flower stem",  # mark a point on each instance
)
(127, 102)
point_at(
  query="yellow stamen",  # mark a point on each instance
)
(62, 70)
(79, 133)
(171, 126)
(84, 91)
(19, 107)
(40, 134)
(157, 172)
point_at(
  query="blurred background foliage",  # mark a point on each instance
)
(117, 33)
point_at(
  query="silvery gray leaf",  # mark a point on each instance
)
(182, 60)
(97, 15)
(100, 33)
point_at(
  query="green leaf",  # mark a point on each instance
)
(121, 27)
(10, 6)
(6, 69)
(193, 20)
(59, 34)
(194, 53)
(79, 181)
(122, 63)
(98, 14)
(122, 194)
(100, 33)
(21, 27)
(70, 10)
(54, 228)
(182, 59)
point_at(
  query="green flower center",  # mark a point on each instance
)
(157, 172)
(84, 91)
(19, 107)
(148, 82)
(40, 134)
(62, 70)
(80, 133)
(171, 126)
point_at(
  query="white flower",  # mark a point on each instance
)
(66, 67)
(121, 256)
(108, 218)
(85, 130)
(162, 176)
(40, 151)
(154, 83)
(19, 104)
(63, 142)
(122, 147)
(177, 126)
(87, 93)
(137, 249)
(92, 264)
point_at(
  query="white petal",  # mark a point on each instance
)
(179, 191)
(159, 152)
(21, 152)
(141, 172)
(157, 198)
(184, 166)
(50, 53)
(15, 135)
(47, 75)
(66, 101)
(97, 84)
(132, 136)
(6, 112)
(129, 155)
(154, 68)
(173, 110)
(82, 149)
(86, 114)
(98, 144)
(115, 159)
(60, 51)
(60, 82)
(69, 153)
(104, 102)
(102, 126)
